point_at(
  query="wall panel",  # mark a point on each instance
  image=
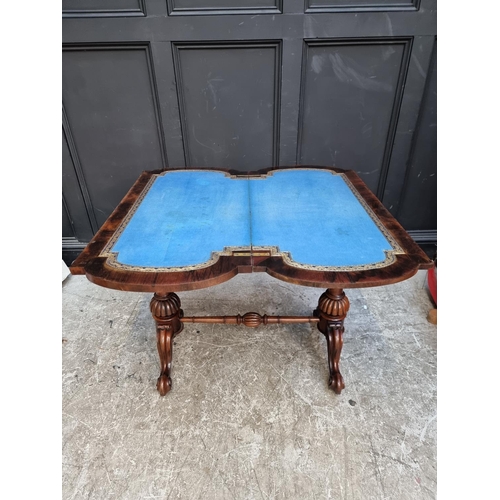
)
(110, 100)
(225, 121)
(351, 94)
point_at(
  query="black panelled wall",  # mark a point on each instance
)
(248, 84)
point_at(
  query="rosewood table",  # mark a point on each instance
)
(179, 230)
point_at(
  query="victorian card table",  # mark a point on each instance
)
(179, 230)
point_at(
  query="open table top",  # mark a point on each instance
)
(186, 229)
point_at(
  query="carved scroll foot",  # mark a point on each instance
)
(166, 311)
(334, 341)
(332, 309)
(164, 342)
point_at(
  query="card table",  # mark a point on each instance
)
(179, 230)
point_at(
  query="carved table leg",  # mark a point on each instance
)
(166, 311)
(332, 309)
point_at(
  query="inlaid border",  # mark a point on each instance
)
(272, 251)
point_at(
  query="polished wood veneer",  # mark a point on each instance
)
(333, 304)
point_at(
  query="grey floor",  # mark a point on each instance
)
(250, 415)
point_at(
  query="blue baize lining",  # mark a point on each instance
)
(312, 214)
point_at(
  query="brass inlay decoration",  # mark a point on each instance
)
(249, 251)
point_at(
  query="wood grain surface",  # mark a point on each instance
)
(95, 267)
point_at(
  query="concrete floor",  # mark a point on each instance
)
(250, 415)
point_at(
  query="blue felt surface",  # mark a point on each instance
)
(183, 218)
(311, 214)
(315, 216)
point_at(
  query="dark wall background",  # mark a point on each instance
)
(248, 84)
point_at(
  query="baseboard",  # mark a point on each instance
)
(426, 239)
(71, 249)
(424, 235)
